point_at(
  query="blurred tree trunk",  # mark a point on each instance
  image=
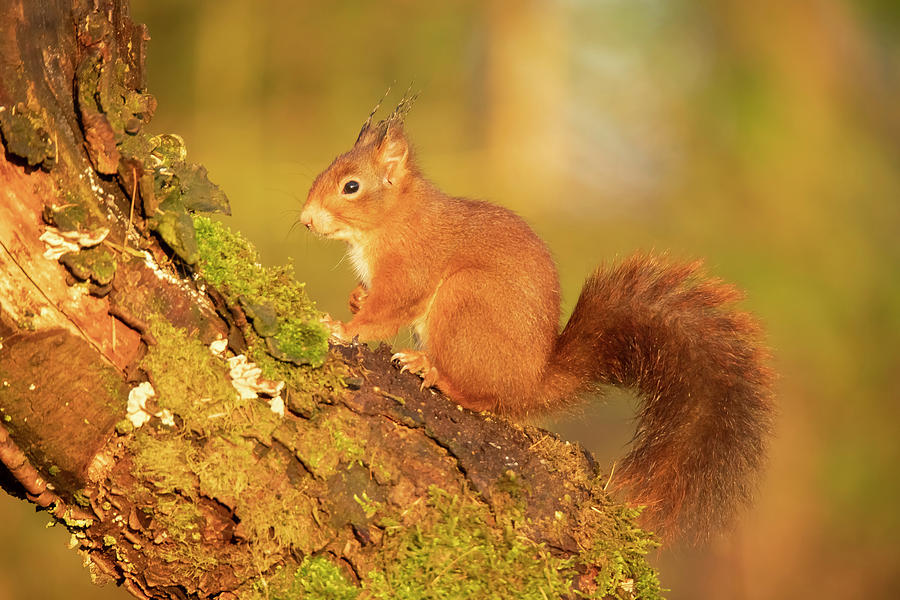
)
(201, 492)
(527, 106)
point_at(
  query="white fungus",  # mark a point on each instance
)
(218, 347)
(247, 379)
(137, 412)
(137, 404)
(277, 405)
(61, 242)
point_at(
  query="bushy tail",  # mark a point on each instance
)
(706, 400)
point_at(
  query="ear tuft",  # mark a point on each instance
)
(375, 133)
(392, 153)
(366, 131)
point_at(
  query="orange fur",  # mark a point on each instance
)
(481, 291)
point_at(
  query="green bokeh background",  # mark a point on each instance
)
(763, 136)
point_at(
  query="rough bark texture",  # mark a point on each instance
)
(366, 481)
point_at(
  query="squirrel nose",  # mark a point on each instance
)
(306, 219)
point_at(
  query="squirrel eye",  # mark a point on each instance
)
(351, 187)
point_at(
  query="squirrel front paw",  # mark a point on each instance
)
(357, 298)
(337, 331)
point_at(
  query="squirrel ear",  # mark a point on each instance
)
(392, 154)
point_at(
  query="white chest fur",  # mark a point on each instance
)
(360, 262)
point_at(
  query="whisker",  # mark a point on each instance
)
(291, 230)
(340, 262)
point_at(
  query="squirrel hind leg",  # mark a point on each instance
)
(489, 347)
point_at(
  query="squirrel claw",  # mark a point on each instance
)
(416, 361)
(429, 379)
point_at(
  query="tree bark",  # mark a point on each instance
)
(110, 288)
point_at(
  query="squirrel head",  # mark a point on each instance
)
(362, 186)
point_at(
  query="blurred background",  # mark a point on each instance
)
(763, 136)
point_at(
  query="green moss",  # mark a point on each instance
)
(277, 513)
(352, 452)
(618, 547)
(228, 260)
(223, 468)
(218, 441)
(304, 385)
(451, 552)
(300, 341)
(621, 554)
(191, 382)
(164, 461)
(316, 578)
(231, 264)
(273, 514)
(181, 520)
(369, 506)
(324, 446)
(607, 531)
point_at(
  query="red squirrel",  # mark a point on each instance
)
(481, 291)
